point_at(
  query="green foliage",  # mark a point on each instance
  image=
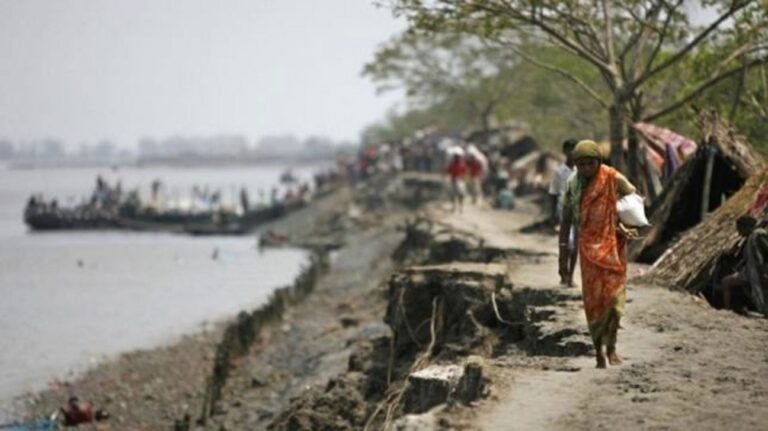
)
(636, 47)
(450, 70)
(561, 64)
(548, 103)
(551, 105)
(742, 99)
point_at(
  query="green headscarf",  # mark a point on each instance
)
(584, 149)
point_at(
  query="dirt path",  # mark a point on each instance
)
(686, 365)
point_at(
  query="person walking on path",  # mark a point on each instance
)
(457, 172)
(475, 175)
(557, 195)
(590, 204)
(558, 183)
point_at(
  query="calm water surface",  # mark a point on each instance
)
(69, 299)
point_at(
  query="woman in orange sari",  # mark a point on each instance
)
(590, 204)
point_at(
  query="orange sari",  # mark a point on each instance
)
(603, 257)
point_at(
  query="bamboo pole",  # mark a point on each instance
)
(711, 150)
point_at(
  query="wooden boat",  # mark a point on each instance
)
(245, 223)
(201, 223)
(69, 219)
(287, 177)
(169, 221)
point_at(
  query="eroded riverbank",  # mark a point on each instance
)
(456, 321)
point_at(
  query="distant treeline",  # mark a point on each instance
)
(224, 147)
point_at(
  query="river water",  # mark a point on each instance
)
(71, 299)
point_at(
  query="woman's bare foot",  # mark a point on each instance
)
(601, 362)
(613, 357)
(600, 355)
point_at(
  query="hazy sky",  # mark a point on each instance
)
(85, 70)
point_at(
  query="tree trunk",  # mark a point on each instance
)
(633, 156)
(705, 198)
(616, 125)
(636, 151)
(485, 117)
(484, 114)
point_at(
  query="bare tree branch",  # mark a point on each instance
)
(761, 110)
(703, 86)
(591, 92)
(735, 7)
(650, 16)
(663, 32)
(743, 49)
(608, 34)
(565, 41)
(587, 28)
(737, 96)
(764, 82)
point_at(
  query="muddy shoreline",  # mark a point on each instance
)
(157, 388)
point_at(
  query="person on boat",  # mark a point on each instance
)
(32, 205)
(244, 202)
(155, 190)
(115, 196)
(749, 280)
(590, 203)
(274, 200)
(262, 196)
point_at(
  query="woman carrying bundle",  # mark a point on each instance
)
(590, 203)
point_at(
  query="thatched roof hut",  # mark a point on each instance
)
(680, 206)
(692, 262)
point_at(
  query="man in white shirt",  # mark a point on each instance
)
(557, 192)
(557, 186)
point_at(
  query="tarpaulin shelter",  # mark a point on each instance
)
(663, 152)
(713, 174)
(666, 149)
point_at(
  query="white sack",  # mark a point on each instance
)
(632, 211)
(474, 151)
(455, 151)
